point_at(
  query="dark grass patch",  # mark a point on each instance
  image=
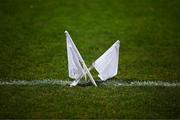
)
(88, 102)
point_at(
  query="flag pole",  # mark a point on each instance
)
(85, 77)
(81, 59)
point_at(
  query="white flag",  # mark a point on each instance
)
(74, 66)
(75, 63)
(107, 64)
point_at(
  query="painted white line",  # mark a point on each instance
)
(145, 83)
(35, 82)
(115, 83)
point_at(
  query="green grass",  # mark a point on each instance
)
(89, 102)
(32, 46)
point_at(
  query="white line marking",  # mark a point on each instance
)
(115, 83)
(145, 83)
(35, 82)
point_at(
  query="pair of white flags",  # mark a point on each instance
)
(106, 65)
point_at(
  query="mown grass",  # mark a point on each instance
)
(32, 46)
(33, 43)
(89, 102)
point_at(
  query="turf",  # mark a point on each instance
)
(89, 102)
(32, 46)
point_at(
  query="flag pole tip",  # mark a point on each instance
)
(118, 41)
(65, 31)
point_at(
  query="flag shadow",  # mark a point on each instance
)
(89, 83)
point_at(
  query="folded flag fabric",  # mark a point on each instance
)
(74, 66)
(107, 64)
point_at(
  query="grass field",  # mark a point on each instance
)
(33, 47)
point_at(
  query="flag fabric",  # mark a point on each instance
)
(74, 66)
(107, 64)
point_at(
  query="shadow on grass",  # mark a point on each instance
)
(89, 83)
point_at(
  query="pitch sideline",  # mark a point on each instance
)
(115, 83)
